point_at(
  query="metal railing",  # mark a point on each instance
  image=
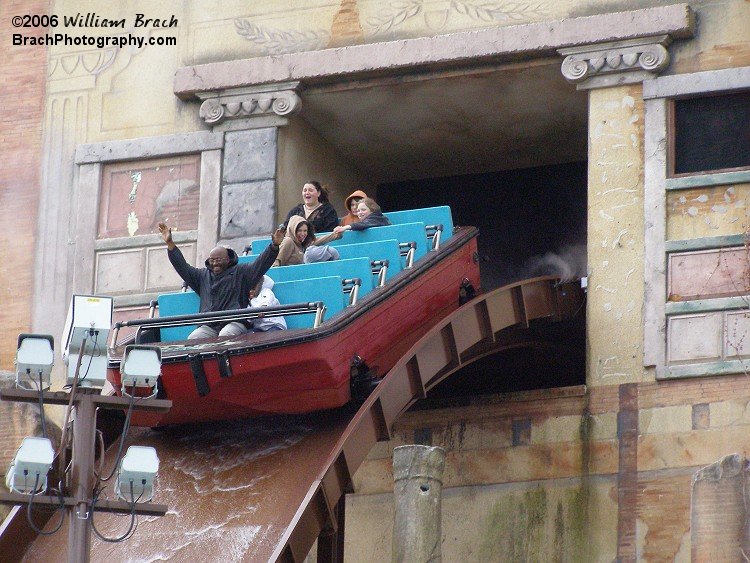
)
(318, 308)
(407, 249)
(434, 232)
(380, 269)
(351, 286)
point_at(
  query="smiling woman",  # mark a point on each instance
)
(315, 208)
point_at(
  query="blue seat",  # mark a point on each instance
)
(407, 232)
(259, 245)
(428, 215)
(352, 268)
(376, 250)
(178, 303)
(247, 259)
(327, 289)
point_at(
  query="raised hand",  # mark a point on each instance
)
(278, 236)
(166, 235)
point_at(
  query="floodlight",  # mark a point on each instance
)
(140, 366)
(89, 317)
(135, 479)
(34, 359)
(28, 471)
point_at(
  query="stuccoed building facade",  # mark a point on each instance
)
(217, 132)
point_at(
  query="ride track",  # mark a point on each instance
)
(266, 489)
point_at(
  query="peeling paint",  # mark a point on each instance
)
(607, 307)
(605, 215)
(628, 101)
(132, 223)
(692, 211)
(136, 178)
(618, 238)
(607, 289)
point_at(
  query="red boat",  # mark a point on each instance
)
(306, 370)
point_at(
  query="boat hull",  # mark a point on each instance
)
(293, 372)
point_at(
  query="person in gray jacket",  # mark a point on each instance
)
(223, 284)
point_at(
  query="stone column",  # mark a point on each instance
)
(417, 474)
(249, 118)
(613, 74)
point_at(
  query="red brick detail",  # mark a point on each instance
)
(663, 506)
(627, 472)
(22, 98)
(718, 513)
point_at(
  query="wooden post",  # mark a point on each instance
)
(418, 485)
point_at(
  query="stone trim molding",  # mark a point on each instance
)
(452, 50)
(149, 147)
(615, 63)
(280, 100)
(703, 82)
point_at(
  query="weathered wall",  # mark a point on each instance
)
(304, 155)
(22, 100)
(527, 467)
(551, 478)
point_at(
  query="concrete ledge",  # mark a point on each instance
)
(149, 147)
(697, 83)
(444, 51)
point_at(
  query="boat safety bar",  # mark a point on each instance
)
(434, 232)
(317, 307)
(380, 269)
(351, 286)
(408, 249)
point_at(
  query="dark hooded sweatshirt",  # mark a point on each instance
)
(229, 289)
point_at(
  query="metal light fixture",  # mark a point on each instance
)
(28, 471)
(34, 360)
(135, 478)
(140, 367)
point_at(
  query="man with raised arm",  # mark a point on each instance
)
(223, 284)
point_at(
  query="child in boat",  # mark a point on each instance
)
(351, 203)
(300, 234)
(370, 215)
(262, 296)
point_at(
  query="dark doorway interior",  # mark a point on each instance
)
(531, 221)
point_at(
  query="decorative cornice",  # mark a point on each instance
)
(615, 63)
(280, 100)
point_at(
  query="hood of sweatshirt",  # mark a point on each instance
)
(291, 229)
(348, 200)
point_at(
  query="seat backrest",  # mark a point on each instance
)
(247, 259)
(351, 268)
(407, 232)
(376, 250)
(259, 245)
(440, 215)
(178, 303)
(327, 289)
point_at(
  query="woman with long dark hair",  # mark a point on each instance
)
(315, 208)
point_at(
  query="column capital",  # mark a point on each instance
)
(271, 100)
(617, 62)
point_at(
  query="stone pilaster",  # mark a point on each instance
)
(250, 119)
